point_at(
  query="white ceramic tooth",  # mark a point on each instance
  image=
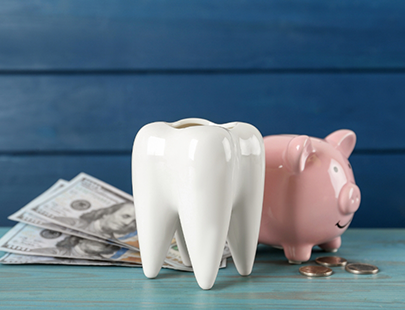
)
(181, 244)
(205, 181)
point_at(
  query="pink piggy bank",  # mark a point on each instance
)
(310, 194)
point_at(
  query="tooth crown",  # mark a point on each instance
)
(204, 181)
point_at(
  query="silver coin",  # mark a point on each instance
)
(315, 271)
(331, 261)
(361, 268)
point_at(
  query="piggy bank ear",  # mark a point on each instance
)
(297, 153)
(343, 140)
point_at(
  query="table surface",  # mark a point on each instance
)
(273, 282)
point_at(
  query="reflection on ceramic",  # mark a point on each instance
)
(204, 181)
(310, 193)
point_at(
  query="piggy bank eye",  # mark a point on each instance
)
(335, 169)
(350, 166)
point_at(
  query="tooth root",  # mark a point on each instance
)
(243, 234)
(181, 244)
(156, 226)
(205, 225)
(244, 226)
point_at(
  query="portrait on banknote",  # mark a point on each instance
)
(73, 246)
(110, 222)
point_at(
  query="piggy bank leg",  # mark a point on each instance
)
(331, 246)
(296, 254)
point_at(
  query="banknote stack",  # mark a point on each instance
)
(81, 222)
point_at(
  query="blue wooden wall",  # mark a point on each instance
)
(79, 78)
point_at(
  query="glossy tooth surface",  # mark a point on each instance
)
(204, 182)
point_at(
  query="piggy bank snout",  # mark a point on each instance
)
(349, 198)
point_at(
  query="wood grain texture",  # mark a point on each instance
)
(380, 178)
(273, 283)
(104, 112)
(205, 34)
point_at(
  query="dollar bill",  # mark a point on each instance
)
(173, 259)
(33, 245)
(90, 210)
(19, 259)
(24, 216)
(90, 206)
(32, 219)
(31, 240)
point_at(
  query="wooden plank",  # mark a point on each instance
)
(204, 34)
(380, 178)
(93, 112)
(273, 283)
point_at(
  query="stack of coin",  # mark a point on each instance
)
(335, 261)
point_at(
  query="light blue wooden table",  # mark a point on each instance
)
(273, 284)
